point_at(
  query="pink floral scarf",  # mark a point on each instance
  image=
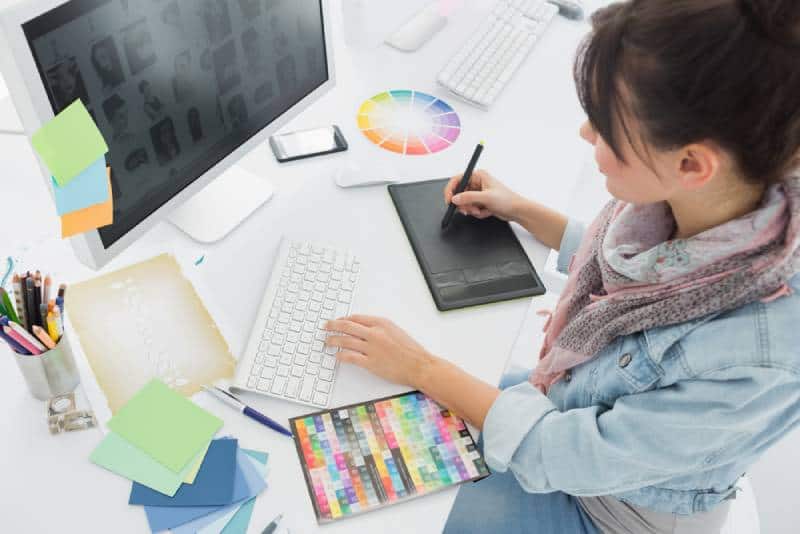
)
(628, 276)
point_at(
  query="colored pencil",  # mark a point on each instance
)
(46, 340)
(26, 335)
(18, 298)
(9, 306)
(30, 347)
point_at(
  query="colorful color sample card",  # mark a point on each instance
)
(409, 122)
(365, 456)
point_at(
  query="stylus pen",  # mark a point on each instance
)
(230, 399)
(462, 185)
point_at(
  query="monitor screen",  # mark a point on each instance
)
(176, 85)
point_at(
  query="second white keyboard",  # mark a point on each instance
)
(285, 356)
(483, 67)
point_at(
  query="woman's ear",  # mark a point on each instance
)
(698, 164)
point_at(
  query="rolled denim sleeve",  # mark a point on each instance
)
(573, 234)
(644, 439)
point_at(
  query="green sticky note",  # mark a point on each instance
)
(170, 428)
(122, 458)
(69, 143)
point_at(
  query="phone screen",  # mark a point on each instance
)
(307, 142)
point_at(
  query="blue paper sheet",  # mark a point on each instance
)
(168, 517)
(90, 187)
(213, 485)
(215, 522)
(241, 520)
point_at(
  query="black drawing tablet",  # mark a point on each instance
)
(472, 262)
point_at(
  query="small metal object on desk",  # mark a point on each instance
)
(63, 417)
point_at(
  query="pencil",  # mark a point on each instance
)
(15, 335)
(8, 305)
(46, 292)
(16, 347)
(43, 337)
(17, 285)
(37, 302)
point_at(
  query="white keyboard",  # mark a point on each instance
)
(483, 67)
(285, 356)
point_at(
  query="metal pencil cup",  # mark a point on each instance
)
(50, 373)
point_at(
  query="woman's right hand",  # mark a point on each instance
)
(484, 196)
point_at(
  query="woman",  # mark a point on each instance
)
(670, 363)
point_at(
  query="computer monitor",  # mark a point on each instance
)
(180, 89)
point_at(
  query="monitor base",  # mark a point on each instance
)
(222, 205)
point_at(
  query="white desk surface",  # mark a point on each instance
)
(47, 484)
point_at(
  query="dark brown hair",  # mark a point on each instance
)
(726, 71)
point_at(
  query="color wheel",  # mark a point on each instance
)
(409, 122)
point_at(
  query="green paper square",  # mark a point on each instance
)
(69, 143)
(165, 425)
(122, 458)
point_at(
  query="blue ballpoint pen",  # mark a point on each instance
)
(230, 399)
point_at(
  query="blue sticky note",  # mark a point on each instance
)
(88, 188)
(168, 517)
(213, 486)
(214, 522)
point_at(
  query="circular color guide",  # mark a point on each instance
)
(409, 122)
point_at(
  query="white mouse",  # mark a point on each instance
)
(352, 175)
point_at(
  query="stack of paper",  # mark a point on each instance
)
(186, 481)
(73, 149)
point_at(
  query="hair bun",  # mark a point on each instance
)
(777, 20)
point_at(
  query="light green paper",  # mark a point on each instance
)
(122, 458)
(69, 143)
(170, 428)
(197, 462)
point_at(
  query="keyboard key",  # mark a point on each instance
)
(324, 387)
(292, 337)
(283, 370)
(269, 361)
(345, 296)
(307, 388)
(310, 328)
(320, 398)
(260, 357)
(303, 348)
(278, 385)
(312, 369)
(325, 374)
(263, 346)
(305, 337)
(328, 362)
(256, 370)
(315, 357)
(264, 384)
(318, 346)
(296, 326)
(300, 359)
(289, 348)
(286, 359)
(267, 372)
(252, 382)
(291, 387)
(274, 350)
(298, 370)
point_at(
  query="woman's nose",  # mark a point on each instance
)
(588, 133)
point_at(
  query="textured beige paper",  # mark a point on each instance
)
(147, 321)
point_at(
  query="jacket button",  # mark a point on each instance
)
(625, 359)
(567, 376)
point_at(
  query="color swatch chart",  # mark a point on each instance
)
(366, 456)
(409, 122)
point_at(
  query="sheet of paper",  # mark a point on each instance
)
(197, 463)
(215, 522)
(241, 519)
(248, 484)
(170, 428)
(213, 486)
(87, 189)
(139, 306)
(89, 218)
(69, 143)
(122, 458)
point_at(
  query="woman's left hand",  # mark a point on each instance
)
(381, 347)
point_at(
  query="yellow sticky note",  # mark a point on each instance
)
(89, 218)
(192, 474)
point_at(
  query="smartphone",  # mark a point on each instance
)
(308, 143)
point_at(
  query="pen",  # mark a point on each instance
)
(269, 529)
(37, 303)
(231, 400)
(462, 185)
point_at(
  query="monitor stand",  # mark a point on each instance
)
(222, 205)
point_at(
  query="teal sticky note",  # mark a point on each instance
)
(69, 143)
(90, 187)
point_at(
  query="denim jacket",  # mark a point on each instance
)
(667, 418)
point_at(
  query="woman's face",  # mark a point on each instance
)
(634, 180)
